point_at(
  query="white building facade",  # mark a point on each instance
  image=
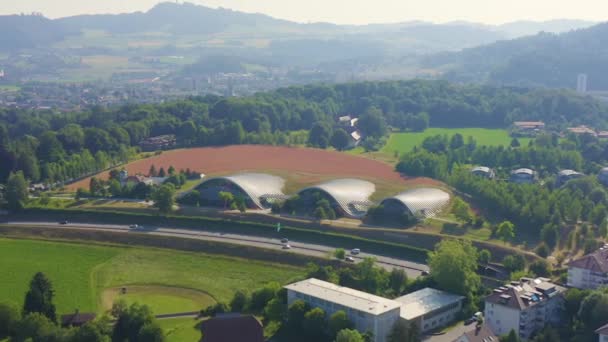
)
(590, 271)
(526, 307)
(602, 333)
(367, 312)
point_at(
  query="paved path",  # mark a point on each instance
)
(411, 268)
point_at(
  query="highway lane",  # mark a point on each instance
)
(411, 268)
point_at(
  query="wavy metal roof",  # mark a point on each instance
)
(568, 173)
(523, 171)
(352, 195)
(424, 201)
(255, 185)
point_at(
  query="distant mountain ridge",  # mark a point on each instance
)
(546, 59)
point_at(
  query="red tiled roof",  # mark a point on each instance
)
(595, 262)
(481, 335)
(231, 328)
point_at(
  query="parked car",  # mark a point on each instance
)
(284, 240)
(355, 251)
(349, 259)
(286, 246)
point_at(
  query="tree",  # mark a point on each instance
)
(320, 134)
(36, 327)
(226, 197)
(485, 257)
(171, 170)
(152, 172)
(453, 266)
(514, 263)
(403, 331)
(372, 123)
(511, 337)
(91, 332)
(540, 268)
(340, 139)
(39, 297)
(457, 141)
(130, 323)
(239, 301)
(339, 253)
(151, 332)
(164, 198)
(338, 321)
(295, 315)
(348, 335)
(161, 172)
(274, 310)
(9, 317)
(515, 143)
(460, 209)
(506, 231)
(314, 323)
(16, 191)
(397, 280)
(260, 297)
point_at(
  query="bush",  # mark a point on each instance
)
(543, 250)
(215, 309)
(340, 253)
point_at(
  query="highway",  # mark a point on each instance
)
(411, 268)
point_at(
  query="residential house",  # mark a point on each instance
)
(232, 327)
(528, 128)
(602, 333)
(525, 306)
(582, 130)
(76, 319)
(480, 334)
(590, 271)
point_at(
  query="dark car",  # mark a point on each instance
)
(284, 240)
(63, 222)
(425, 273)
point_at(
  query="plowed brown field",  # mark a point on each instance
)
(310, 164)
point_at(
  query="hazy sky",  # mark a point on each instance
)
(347, 11)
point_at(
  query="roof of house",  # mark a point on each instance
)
(523, 171)
(529, 123)
(77, 318)
(484, 334)
(344, 296)
(603, 330)
(231, 328)
(595, 262)
(425, 301)
(352, 195)
(524, 293)
(425, 201)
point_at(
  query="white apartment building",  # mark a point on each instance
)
(524, 306)
(429, 308)
(590, 271)
(602, 333)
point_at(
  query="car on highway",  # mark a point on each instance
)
(426, 273)
(286, 246)
(355, 251)
(63, 222)
(134, 226)
(349, 259)
(284, 240)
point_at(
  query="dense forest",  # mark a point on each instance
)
(53, 146)
(546, 59)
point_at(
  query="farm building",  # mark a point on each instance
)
(523, 176)
(349, 197)
(483, 171)
(257, 189)
(602, 177)
(426, 202)
(565, 175)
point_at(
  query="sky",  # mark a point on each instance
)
(346, 11)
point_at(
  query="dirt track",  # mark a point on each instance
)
(241, 158)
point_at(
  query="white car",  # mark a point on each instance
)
(286, 246)
(349, 259)
(355, 251)
(134, 226)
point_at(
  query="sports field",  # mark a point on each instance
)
(80, 274)
(405, 142)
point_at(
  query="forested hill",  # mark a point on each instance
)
(542, 60)
(28, 31)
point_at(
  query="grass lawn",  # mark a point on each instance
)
(161, 299)
(80, 273)
(405, 142)
(181, 329)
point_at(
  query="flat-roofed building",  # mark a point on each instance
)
(525, 306)
(430, 308)
(590, 271)
(368, 312)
